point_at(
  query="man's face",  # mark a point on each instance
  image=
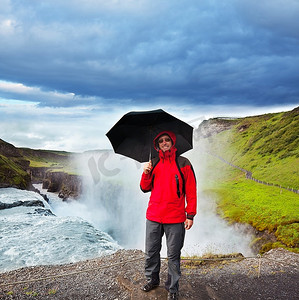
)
(164, 142)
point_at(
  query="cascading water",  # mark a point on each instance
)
(117, 206)
(109, 215)
(210, 233)
(111, 191)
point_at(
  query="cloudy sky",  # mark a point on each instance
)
(70, 69)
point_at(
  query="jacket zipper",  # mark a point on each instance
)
(177, 185)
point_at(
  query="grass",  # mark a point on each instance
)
(267, 146)
(14, 163)
(190, 262)
(253, 199)
(12, 173)
(263, 207)
(53, 166)
(55, 161)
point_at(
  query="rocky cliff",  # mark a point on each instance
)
(19, 167)
(13, 167)
(121, 276)
(214, 126)
(66, 185)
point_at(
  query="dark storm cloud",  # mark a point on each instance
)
(216, 52)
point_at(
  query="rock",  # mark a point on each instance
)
(66, 185)
(213, 126)
(21, 203)
(121, 275)
(9, 150)
(15, 170)
(42, 212)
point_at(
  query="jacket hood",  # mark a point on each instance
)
(169, 133)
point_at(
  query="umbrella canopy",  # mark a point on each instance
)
(133, 134)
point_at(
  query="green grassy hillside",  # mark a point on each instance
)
(268, 147)
(16, 164)
(13, 174)
(54, 161)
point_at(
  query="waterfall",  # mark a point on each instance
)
(111, 192)
(115, 204)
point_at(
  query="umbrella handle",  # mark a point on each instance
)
(150, 143)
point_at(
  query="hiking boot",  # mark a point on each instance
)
(173, 296)
(150, 286)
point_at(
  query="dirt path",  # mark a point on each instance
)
(120, 276)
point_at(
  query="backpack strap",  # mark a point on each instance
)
(180, 163)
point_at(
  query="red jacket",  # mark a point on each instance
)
(173, 187)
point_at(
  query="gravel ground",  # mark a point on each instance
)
(120, 276)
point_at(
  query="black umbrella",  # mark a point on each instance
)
(133, 134)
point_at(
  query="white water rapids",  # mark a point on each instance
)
(109, 215)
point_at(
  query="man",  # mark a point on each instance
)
(171, 209)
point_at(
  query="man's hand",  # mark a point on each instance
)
(147, 167)
(188, 224)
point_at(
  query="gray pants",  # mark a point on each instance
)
(175, 234)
